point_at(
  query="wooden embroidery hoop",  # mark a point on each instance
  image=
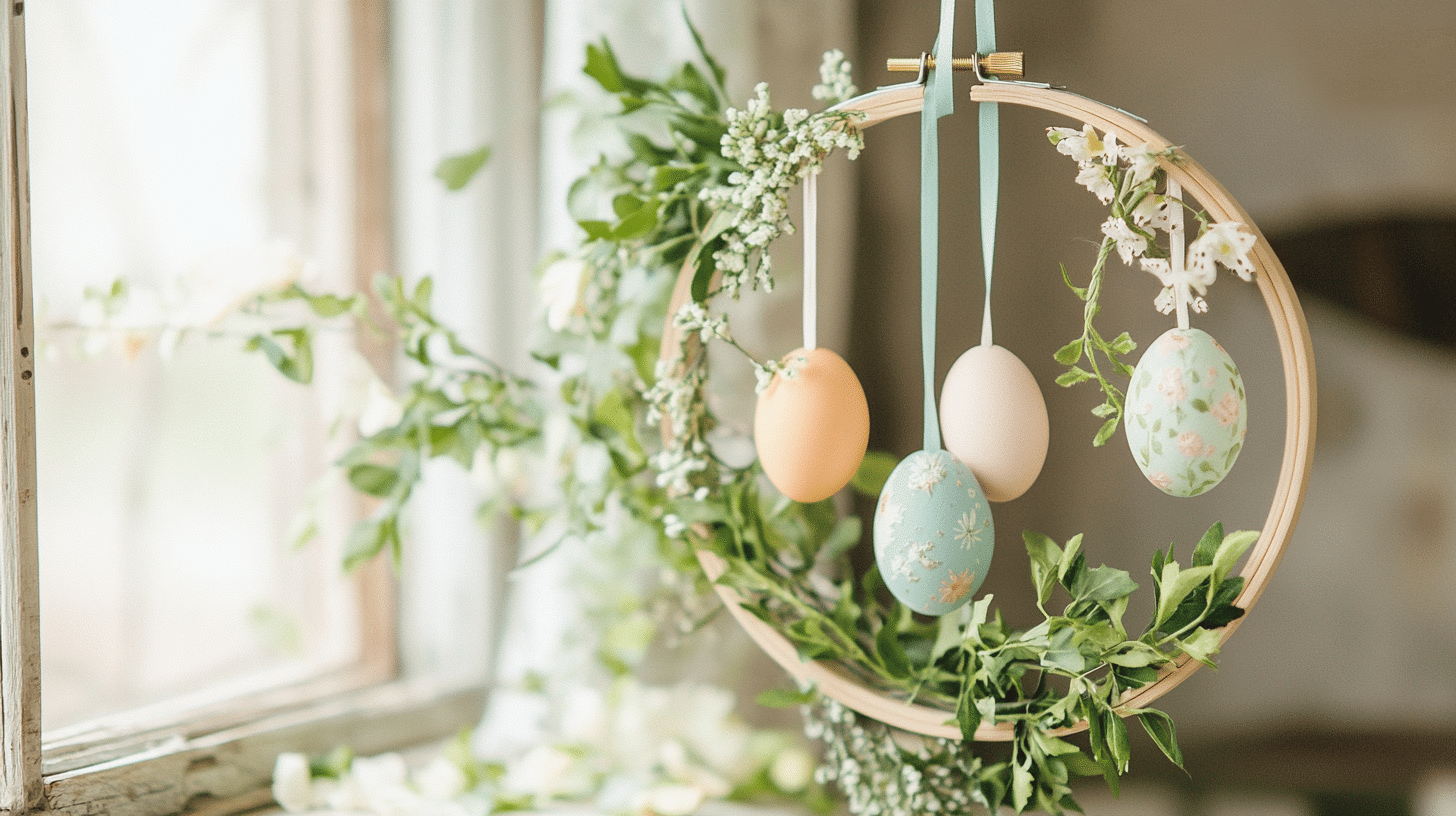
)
(1296, 354)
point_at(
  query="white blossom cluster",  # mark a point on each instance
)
(835, 82)
(677, 399)
(692, 317)
(789, 367)
(880, 778)
(630, 749)
(1124, 177)
(776, 151)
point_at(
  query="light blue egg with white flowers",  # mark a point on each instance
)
(933, 532)
(1185, 415)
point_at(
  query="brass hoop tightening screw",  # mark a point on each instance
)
(997, 63)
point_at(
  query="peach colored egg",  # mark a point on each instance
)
(994, 419)
(812, 425)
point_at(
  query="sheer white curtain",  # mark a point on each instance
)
(466, 74)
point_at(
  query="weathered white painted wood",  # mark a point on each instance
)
(230, 771)
(1296, 353)
(19, 578)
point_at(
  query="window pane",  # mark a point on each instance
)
(181, 147)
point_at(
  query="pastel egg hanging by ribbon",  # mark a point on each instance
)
(811, 425)
(933, 533)
(1185, 414)
(994, 419)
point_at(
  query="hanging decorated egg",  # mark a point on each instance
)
(812, 425)
(1185, 412)
(993, 418)
(933, 532)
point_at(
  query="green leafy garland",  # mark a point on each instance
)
(705, 187)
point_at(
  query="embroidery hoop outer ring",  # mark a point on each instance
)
(1296, 353)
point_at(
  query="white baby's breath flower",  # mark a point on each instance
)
(441, 779)
(835, 83)
(382, 780)
(692, 317)
(776, 153)
(1130, 244)
(292, 783)
(672, 799)
(543, 772)
(792, 770)
(1225, 243)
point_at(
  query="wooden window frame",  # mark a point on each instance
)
(210, 753)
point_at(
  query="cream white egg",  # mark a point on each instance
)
(994, 419)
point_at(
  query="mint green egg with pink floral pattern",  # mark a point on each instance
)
(1185, 414)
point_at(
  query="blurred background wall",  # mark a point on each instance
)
(1334, 125)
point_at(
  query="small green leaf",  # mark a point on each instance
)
(1233, 546)
(373, 480)
(949, 631)
(1045, 556)
(891, 652)
(1080, 292)
(601, 65)
(626, 204)
(1135, 677)
(296, 366)
(457, 171)
(1175, 584)
(1103, 584)
(720, 74)
(666, 177)
(368, 538)
(1105, 432)
(1021, 787)
(1072, 376)
(873, 471)
(596, 230)
(968, 716)
(1070, 353)
(703, 273)
(842, 538)
(1208, 545)
(785, 698)
(1202, 645)
(1052, 746)
(705, 131)
(1117, 740)
(1069, 556)
(1135, 656)
(1079, 764)
(1160, 727)
(638, 223)
(1124, 344)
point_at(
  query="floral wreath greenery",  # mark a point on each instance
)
(705, 187)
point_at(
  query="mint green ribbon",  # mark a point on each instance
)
(990, 159)
(939, 101)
